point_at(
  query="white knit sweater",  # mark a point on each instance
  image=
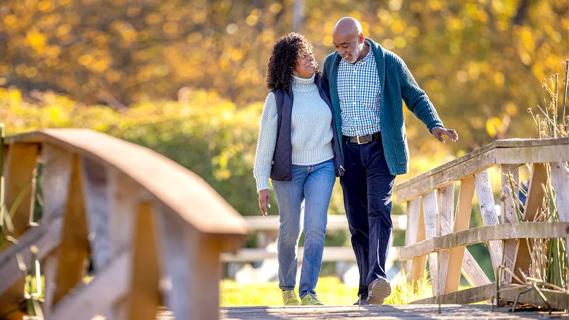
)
(311, 130)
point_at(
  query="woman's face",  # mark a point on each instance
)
(305, 65)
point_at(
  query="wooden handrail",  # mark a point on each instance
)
(174, 186)
(138, 216)
(509, 151)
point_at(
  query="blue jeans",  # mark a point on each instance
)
(313, 184)
(367, 186)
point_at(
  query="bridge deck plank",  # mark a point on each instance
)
(430, 311)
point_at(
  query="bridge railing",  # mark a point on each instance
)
(122, 229)
(438, 229)
(266, 231)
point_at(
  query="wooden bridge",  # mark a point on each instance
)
(154, 230)
(116, 231)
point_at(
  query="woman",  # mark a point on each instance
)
(298, 150)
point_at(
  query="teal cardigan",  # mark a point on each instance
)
(397, 84)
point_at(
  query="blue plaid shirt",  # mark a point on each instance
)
(359, 93)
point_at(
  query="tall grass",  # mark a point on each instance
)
(548, 256)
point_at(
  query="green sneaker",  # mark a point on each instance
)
(289, 298)
(311, 300)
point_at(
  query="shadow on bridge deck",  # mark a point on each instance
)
(411, 311)
(479, 311)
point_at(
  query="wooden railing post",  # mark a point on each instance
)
(98, 206)
(74, 245)
(20, 174)
(191, 267)
(533, 205)
(560, 182)
(144, 298)
(461, 222)
(431, 212)
(489, 214)
(414, 233)
(446, 209)
(510, 202)
(2, 186)
(57, 165)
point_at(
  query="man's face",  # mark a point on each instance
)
(348, 46)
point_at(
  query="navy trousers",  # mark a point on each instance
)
(367, 186)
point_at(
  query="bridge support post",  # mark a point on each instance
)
(191, 269)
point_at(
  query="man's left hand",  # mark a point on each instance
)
(439, 132)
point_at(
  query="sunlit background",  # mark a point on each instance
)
(187, 78)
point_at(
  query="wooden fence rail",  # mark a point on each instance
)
(266, 229)
(438, 230)
(152, 231)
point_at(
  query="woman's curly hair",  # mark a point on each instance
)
(283, 60)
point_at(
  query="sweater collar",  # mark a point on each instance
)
(302, 84)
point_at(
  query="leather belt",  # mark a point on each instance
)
(363, 139)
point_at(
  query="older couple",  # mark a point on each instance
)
(346, 121)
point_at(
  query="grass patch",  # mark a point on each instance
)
(330, 290)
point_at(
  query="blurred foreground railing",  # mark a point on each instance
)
(122, 230)
(438, 229)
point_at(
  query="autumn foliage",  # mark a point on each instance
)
(187, 78)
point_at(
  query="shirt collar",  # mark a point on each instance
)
(363, 60)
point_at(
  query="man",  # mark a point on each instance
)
(367, 84)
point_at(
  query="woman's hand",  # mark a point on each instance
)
(264, 202)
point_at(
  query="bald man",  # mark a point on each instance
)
(367, 84)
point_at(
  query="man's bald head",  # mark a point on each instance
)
(348, 26)
(349, 39)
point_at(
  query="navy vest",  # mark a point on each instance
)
(281, 169)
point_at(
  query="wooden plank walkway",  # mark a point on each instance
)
(423, 311)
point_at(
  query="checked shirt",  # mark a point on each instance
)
(359, 93)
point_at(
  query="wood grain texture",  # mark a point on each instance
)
(95, 183)
(498, 152)
(110, 285)
(445, 199)
(172, 185)
(190, 266)
(74, 246)
(560, 182)
(510, 204)
(545, 230)
(489, 214)
(20, 187)
(431, 215)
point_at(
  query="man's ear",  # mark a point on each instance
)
(361, 38)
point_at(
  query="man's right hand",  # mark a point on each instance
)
(264, 201)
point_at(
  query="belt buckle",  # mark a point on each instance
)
(358, 140)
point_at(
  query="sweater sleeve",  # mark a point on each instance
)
(266, 143)
(416, 99)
